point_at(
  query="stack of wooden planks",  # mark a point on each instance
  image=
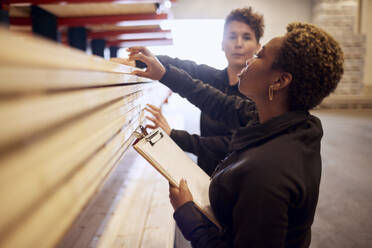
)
(66, 118)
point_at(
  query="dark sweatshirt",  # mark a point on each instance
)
(212, 144)
(265, 192)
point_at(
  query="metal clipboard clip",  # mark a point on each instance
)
(141, 133)
(155, 137)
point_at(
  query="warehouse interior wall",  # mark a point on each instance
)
(366, 24)
(277, 14)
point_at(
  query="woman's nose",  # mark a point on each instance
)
(239, 42)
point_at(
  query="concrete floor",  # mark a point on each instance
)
(344, 213)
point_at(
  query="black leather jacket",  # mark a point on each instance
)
(265, 192)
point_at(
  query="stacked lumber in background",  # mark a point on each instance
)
(340, 18)
(67, 119)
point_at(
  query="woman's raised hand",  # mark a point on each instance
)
(155, 70)
(158, 119)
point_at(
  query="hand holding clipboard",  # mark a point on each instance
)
(170, 161)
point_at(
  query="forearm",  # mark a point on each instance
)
(214, 147)
(202, 72)
(196, 228)
(233, 111)
(186, 65)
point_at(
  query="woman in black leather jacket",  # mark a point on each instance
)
(265, 192)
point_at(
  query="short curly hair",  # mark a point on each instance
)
(315, 60)
(247, 16)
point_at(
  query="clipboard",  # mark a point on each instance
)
(173, 163)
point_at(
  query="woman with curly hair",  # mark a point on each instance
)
(265, 192)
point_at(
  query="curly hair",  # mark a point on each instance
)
(246, 15)
(315, 60)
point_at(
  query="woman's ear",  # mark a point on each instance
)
(284, 80)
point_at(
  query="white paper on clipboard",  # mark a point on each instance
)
(170, 161)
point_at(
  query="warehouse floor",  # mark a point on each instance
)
(344, 213)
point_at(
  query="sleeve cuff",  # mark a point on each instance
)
(189, 218)
(175, 135)
(169, 76)
(140, 64)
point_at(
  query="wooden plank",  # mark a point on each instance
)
(104, 27)
(39, 229)
(145, 228)
(23, 79)
(31, 51)
(91, 232)
(48, 110)
(39, 167)
(161, 194)
(160, 226)
(34, 184)
(19, 11)
(82, 232)
(159, 237)
(39, 2)
(141, 42)
(104, 204)
(129, 241)
(21, 29)
(130, 215)
(86, 232)
(98, 9)
(112, 227)
(160, 210)
(84, 239)
(136, 220)
(152, 18)
(50, 178)
(130, 32)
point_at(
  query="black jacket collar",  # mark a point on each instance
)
(256, 134)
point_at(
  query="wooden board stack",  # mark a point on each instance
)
(66, 120)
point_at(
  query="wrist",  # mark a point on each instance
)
(162, 72)
(168, 131)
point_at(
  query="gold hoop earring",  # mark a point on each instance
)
(271, 92)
